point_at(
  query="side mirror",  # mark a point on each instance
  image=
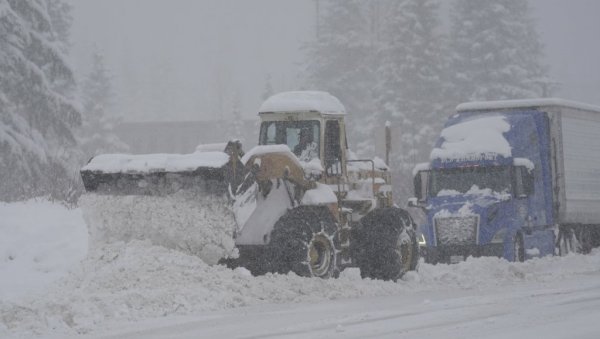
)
(418, 187)
(421, 180)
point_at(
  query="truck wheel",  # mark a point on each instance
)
(584, 238)
(385, 246)
(304, 241)
(566, 241)
(518, 248)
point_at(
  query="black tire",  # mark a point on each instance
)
(566, 241)
(305, 241)
(584, 238)
(384, 245)
(518, 248)
(253, 258)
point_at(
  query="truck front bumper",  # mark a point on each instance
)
(456, 253)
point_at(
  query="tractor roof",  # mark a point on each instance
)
(303, 101)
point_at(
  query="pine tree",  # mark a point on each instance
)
(37, 148)
(412, 90)
(61, 20)
(496, 51)
(97, 135)
(340, 61)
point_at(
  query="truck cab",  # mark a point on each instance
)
(487, 189)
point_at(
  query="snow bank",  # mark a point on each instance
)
(303, 101)
(39, 242)
(138, 281)
(145, 163)
(487, 272)
(191, 221)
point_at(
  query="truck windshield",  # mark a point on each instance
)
(302, 137)
(468, 179)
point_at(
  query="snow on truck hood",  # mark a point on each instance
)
(481, 137)
(147, 163)
(300, 101)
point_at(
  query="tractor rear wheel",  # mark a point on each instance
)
(384, 245)
(305, 241)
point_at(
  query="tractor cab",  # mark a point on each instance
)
(315, 138)
(311, 124)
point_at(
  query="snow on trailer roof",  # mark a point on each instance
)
(148, 163)
(303, 101)
(524, 103)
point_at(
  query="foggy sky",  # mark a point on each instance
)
(192, 48)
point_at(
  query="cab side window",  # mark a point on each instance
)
(333, 150)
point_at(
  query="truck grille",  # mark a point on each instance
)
(456, 230)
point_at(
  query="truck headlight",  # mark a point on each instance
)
(499, 236)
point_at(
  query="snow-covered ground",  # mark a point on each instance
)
(39, 242)
(51, 287)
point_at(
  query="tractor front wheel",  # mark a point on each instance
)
(304, 241)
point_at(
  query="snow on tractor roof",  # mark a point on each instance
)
(524, 103)
(303, 101)
(148, 163)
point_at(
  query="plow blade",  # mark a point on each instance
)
(157, 183)
(176, 201)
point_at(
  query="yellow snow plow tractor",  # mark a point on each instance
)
(298, 202)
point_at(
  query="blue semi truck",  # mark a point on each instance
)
(514, 179)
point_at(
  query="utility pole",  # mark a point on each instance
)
(388, 141)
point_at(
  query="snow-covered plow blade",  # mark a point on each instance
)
(179, 201)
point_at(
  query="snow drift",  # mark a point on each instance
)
(137, 281)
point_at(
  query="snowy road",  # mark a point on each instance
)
(568, 308)
(53, 286)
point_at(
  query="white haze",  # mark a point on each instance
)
(192, 50)
(188, 59)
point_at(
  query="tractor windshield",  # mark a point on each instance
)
(302, 137)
